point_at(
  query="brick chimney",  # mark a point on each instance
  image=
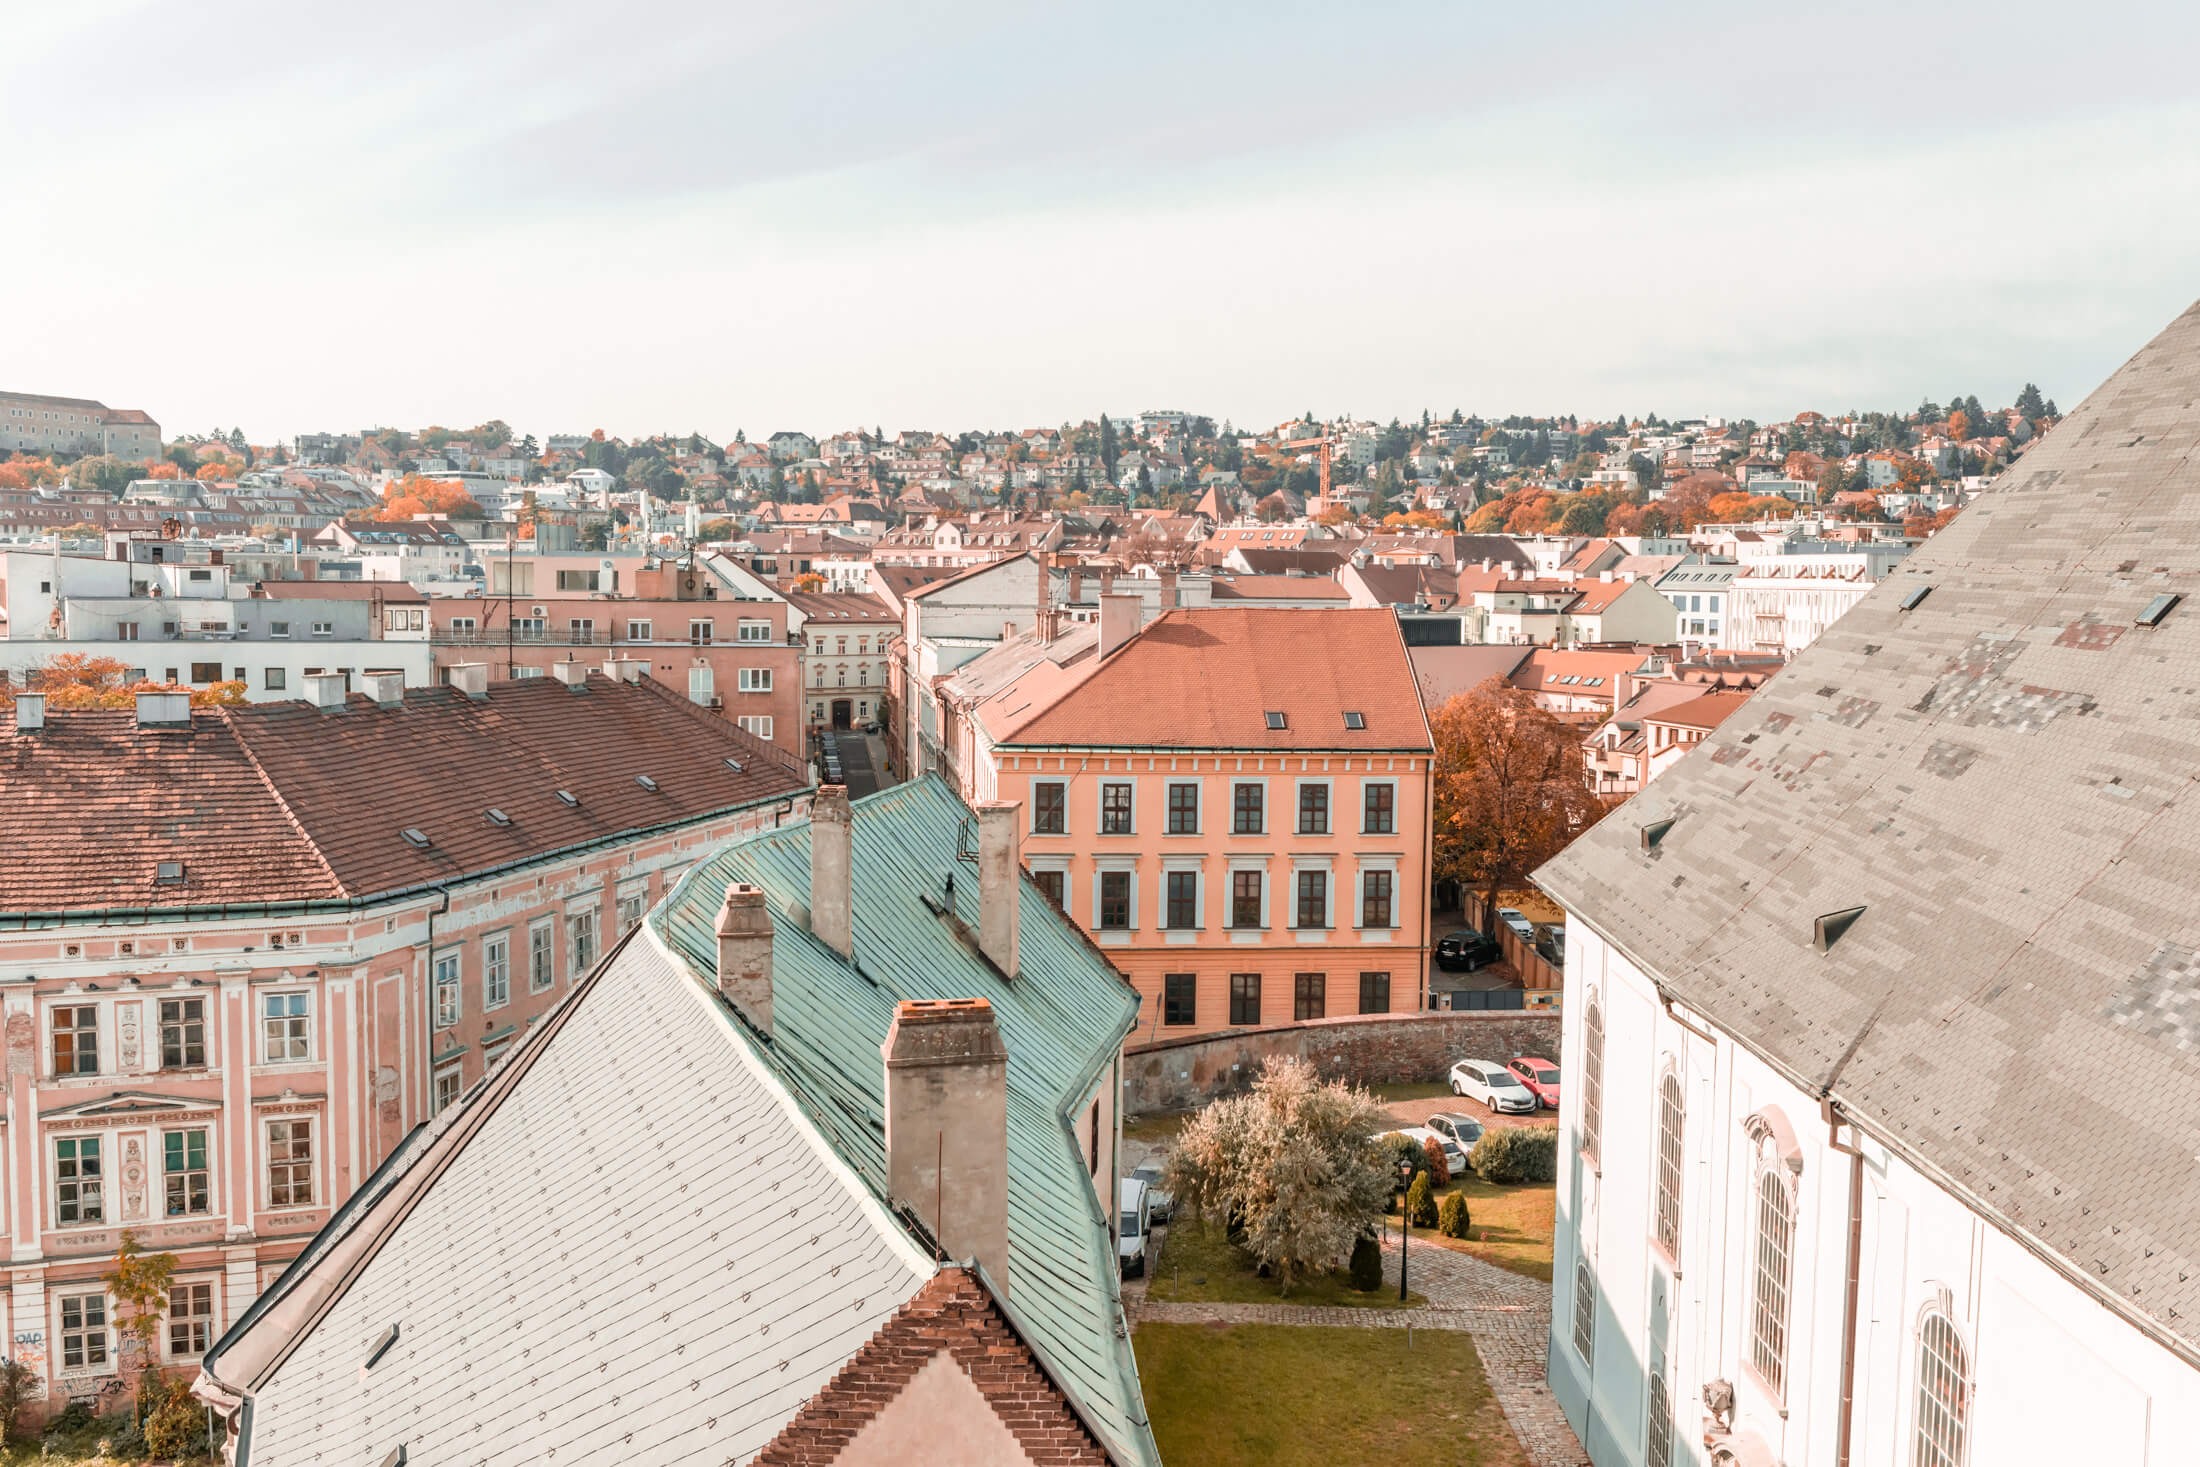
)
(832, 832)
(745, 953)
(947, 1127)
(1000, 881)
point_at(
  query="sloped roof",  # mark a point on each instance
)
(1224, 587)
(2002, 778)
(1443, 673)
(1062, 1020)
(1205, 678)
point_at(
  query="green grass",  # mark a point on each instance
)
(1508, 1226)
(1293, 1396)
(1199, 1265)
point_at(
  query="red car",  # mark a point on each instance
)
(1540, 1076)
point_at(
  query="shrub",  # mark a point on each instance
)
(1508, 1154)
(177, 1429)
(1433, 1152)
(16, 1381)
(1367, 1265)
(1421, 1202)
(1401, 1149)
(1451, 1219)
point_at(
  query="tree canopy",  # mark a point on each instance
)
(1509, 790)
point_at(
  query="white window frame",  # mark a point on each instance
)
(580, 924)
(496, 970)
(702, 631)
(267, 1161)
(1180, 866)
(1100, 806)
(1259, 866)
(1388, 866)
(1592, 1080)
(1668, 1173)
(757, 724)
(191, 1321)
(207, 1132)
(1304, 867)
(542, 954)
(638, 629)
(447, 988)
(753, 679)
(206, 1038)
(1267, 810)
(94, 1183)
(455, 1073)
(1329, 806)
(1127, 867)
(1063, 784)
(1772, 1201)
(748, 629)
(105, 1365)
(292, 1022)
(1941, 1426)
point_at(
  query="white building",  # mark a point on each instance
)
(1881, 1134)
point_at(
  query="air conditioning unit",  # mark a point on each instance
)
(538, 611)
(717, 702)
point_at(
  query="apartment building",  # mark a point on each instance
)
(847, 643)
(32, 422)
(246, 950)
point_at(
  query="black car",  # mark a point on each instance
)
(1465, 950)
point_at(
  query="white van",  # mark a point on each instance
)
(1136, 1224)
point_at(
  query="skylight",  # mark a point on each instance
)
(2158, 608)
(734, 765)
(498, 817)
(646, 782)
(168, 873)
(379, 1347)
(1827, 930)
(569, 798)
(1917, 594)
(415, 836)
(1355, 720)
(1275, 720)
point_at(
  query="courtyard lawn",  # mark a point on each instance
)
(1199, 1265)
(1292, 1396)
(1508, 1226)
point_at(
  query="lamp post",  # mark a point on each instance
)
(1405, 1222)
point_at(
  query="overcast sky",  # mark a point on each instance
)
(715, 214)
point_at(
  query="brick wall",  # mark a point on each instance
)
(1178, 1074)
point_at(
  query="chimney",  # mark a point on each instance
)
(471, 678)
(625, 669)
(30, 712)
(1604, 575)
(1043, 625)
(569, 672)
(745, 954)
(1107, 579)
(385, 688)
(164, 710)
(831, 832)
(326, 691)
(947, 1127)
(1119, 618)
(1168, 589)
(1076, 584)
(1000, 881)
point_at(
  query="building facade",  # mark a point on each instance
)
(32, 422)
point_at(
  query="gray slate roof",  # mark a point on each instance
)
(2002, 778)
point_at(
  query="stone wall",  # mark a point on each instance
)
(1178, 1074)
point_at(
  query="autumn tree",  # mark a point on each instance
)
(75, 680)
(414, 495)
(28, 473)
(1509, 788)
(139, 1283)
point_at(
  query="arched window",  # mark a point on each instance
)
(1768, 1315)
(1585, 1309)
(1943, 1394)
(1668, 1209)
(1592, 1076)
(1660, 1452)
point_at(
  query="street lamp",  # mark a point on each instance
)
(1405, 1222)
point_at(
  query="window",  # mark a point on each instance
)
(754, 680)
(1374, 993)
(461, 626)
(580, 942)
(1661, 1425)
(1668, 1210)
(83, 1331)
(182, 1033)
(496, 970)
(1313, 809)
(753, 631)
(324, 629)
(1179, 998)
(1379, 815)
(446, 990)
(1049, 809)
(1183, 898)
(1049, 883)
(1592, 1076)
(1768, 1307)
(581, 630)
(126, 631)
(1115, 899)
(78, 1195)
(1943, 1394)
(1183, 809)
(1245, 899)
(575, 580)
(1115, 809)
(1245, 998)
(638, 631)
(1585, 1309)
(276, 679)
(1246, 810)
(1309, 995)
(183, 1168)
(190, 1318)
(760, 726)
(449, 1084)
(1375, 898)
(541, 959)
(76, 1040)
(699, 631)
(1313, 899)
(289, 1164)
(631, 905)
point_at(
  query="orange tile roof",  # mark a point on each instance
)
(1206, 678)
(1708, 711)
(1278, 588)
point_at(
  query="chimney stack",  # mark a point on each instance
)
(471, 678)
(745, 953)
(325, 691)
(625, 669)
(569, 672)
(1168, 589)
(30, 712)
(947, 1127)
(164, 710)
(831, 834)
(386, 688)
(1119, 617)
(1000, 881)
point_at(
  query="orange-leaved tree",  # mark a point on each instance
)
(28, 473)
(75, 680)
(415, 495)
(1509, 788)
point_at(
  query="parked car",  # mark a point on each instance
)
(1540, 1076)
(1515, 919)
(1157, 1201)
(1454, 1158)
(1465, 950)
(1461, 1131)
(1137, 1222)
(1492, 1084)
(1550, 943)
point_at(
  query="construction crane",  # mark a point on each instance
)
(1323, 447)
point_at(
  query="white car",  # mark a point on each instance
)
(1454, 1158)
(1494, 1085)
(1518, 921)
(1137, 1222)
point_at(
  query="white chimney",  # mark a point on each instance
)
(30, 712)
(831, 837)
(1119, 617)
(471, 678)
(386, 688)
(745, 953)
(326, 691)
(626, 669)
(1000, 881)
(164, 710)
(947, 1127)
(569, 672)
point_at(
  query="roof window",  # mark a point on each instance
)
(1917, 594)
(1275, 719)
(1655, 832)
(646, 782)
(415, 836)
(2158, 608)
(1355, 720)
(734, 765)
(379, 1347)
(568, 798)
(498, 817)
(169, 873)
(1827, 930)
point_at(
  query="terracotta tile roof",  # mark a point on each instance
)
(841, 606)
(283, 802)
(1708, 711)
(1278, 588)
(1205, 679)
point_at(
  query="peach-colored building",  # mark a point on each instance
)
(244, 951)
(1233, 802)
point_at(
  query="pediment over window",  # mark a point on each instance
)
(123, 1104)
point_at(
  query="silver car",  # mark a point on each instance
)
(1157, 1199)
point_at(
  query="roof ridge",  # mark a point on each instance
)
(236, 726)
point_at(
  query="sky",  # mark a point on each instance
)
(710, 215)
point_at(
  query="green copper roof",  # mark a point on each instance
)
(1062, 1019)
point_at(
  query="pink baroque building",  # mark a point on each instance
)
(244, 951)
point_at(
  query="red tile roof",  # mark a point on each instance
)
(1708, 711)
(283, 802)
(1206, 678)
